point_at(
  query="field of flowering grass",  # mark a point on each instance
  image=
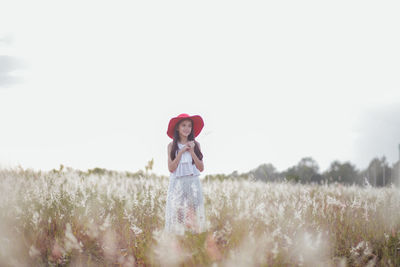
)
(66, 218)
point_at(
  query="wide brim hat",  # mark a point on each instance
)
(197, 126)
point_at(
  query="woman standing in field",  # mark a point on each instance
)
(185, 202)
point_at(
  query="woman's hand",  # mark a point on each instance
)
(191, 145)
(185, 148)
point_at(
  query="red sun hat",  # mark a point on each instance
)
(198, 124)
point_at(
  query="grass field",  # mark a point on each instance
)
(66, 218)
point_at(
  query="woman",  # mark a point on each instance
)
(185, 202)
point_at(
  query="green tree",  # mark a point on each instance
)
(345, 173)
(265, 172)
(306, 171)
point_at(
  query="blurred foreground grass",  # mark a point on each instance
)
(71, 218)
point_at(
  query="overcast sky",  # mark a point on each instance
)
(93, 84)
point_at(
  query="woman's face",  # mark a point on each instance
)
(185, 128)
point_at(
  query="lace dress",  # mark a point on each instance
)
(185, 203)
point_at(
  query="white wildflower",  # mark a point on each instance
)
(33, 251)
(136, 229)
(70, 240)
(106, 223)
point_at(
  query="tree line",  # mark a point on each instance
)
(379, 173)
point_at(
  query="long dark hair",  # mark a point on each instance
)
(190, 138)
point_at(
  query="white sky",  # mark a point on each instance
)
(274, 81)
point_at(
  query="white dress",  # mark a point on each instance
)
(185, 203)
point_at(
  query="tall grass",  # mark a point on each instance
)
(70, 218)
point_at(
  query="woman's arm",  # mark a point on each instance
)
(173, 164)
(199, 163)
